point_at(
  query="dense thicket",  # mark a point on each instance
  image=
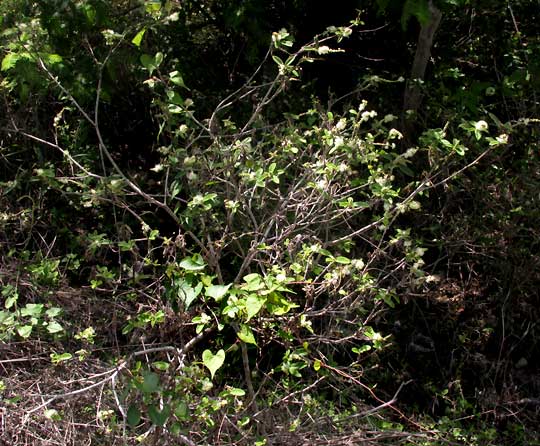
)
(245, 222)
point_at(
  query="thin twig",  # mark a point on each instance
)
(114, 372)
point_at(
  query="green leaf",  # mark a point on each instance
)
(53, 312)
(175, 189)
(150, 383)
(177, 79)
(32, 310)
(151, 63)
(252, 277)
(246, 334)
(254, 282)
(278, 305)
(138, 38)
(235, 391)
(11, 300)
(174, 109)
(186, 293)
(9, 61)
(152, 6)
(161, 365)
(57, 358)
(213, 362)
(217, 292)
(254, 303)
(174, 97)
(159, 418)
(6, 318)
(182, 410)
(54, 327)
(342, 260)
(158, 58)
(278, 60)
(24, 331)
(133, 416)
(195, 263)
(126, 246)
(90, 13)
(359, 350)
(53, 58)
(148, 62)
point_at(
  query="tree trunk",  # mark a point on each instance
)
(413, 92)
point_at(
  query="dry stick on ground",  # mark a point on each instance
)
(112, 374)
(289, 396)
(380, 407)
(372, 393)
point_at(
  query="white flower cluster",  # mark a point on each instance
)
(366, 115)
(481, 126)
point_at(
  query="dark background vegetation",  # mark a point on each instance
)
(467, 343)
